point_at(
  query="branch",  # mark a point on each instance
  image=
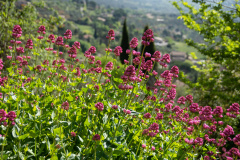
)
(221, 4)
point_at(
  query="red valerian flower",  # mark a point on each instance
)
(96, 137)
(99, 106)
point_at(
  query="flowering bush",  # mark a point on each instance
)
(54, 107)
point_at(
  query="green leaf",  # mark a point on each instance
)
(41, 158)
(84, 90)
(35, 53)
(105, 118)
(48, 144)
(53, 115)
(54, 157)
(72, 156)
(81, 140)
(30, 67)
(21, 155)
(82, 66)
(70, 98)
(193, 55)
(31, 151)
(14, 132)
(39, 83)
(22, 137)
(118, 80)
(50, 89)
(33, 134)
(59, 132)
(228, 28)
(87, 123)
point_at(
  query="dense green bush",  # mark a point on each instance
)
(55, 108)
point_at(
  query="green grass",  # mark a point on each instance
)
(183, 47)
(86, 29)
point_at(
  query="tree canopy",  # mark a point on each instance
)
(218, 23)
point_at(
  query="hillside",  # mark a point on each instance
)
(160, 6)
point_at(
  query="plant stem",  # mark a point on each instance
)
(86, 148)
(138, 148)
(141, 60)
(35, 137)
(108, 47)
(95, 150)
(130, 98)
(21, 132)
(4, 142)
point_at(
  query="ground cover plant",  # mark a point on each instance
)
(56, 106)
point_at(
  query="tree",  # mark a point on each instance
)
(119, 13)
(92, 5)
(124, 43)
(219, 80)
(95, 33)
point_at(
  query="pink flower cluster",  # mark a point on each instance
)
(232, 154)
(1, 65)
(156, 56)
(29, 44)
(68, 34)
(77, 44)
(147, 37)
(152, 130)
(96, 137)
(125, 86)
(99, 106)
(236, 140)
(129, 74)
(20, 50)
(126, 111)
(73, 134)
(233, 111)
(4, 116)
(197, 141)
(42, 29)
(133, 43)
(65, 105)
(17, 31)
(109, 66)
(165, 60)
(72, 52)
(118, 51)
(148, 65)
(59, 41)
(111, 34)
(51, 38)
(90, 51)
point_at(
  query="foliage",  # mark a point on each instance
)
(119, 13)
(55, 108)
(9, 16)
(186, 67)
(24, 15)
(217, 22)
